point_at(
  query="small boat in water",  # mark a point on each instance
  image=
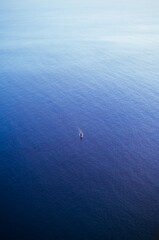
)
(81, 135)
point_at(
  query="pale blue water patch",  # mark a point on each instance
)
(68, 66)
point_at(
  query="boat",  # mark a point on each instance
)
(81, 135)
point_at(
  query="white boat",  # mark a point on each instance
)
(81, 135)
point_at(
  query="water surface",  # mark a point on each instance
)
(68, 66)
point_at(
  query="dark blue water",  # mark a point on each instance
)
(66, 67)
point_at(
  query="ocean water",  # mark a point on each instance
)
(68, 66)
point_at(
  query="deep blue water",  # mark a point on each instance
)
(68, 66)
